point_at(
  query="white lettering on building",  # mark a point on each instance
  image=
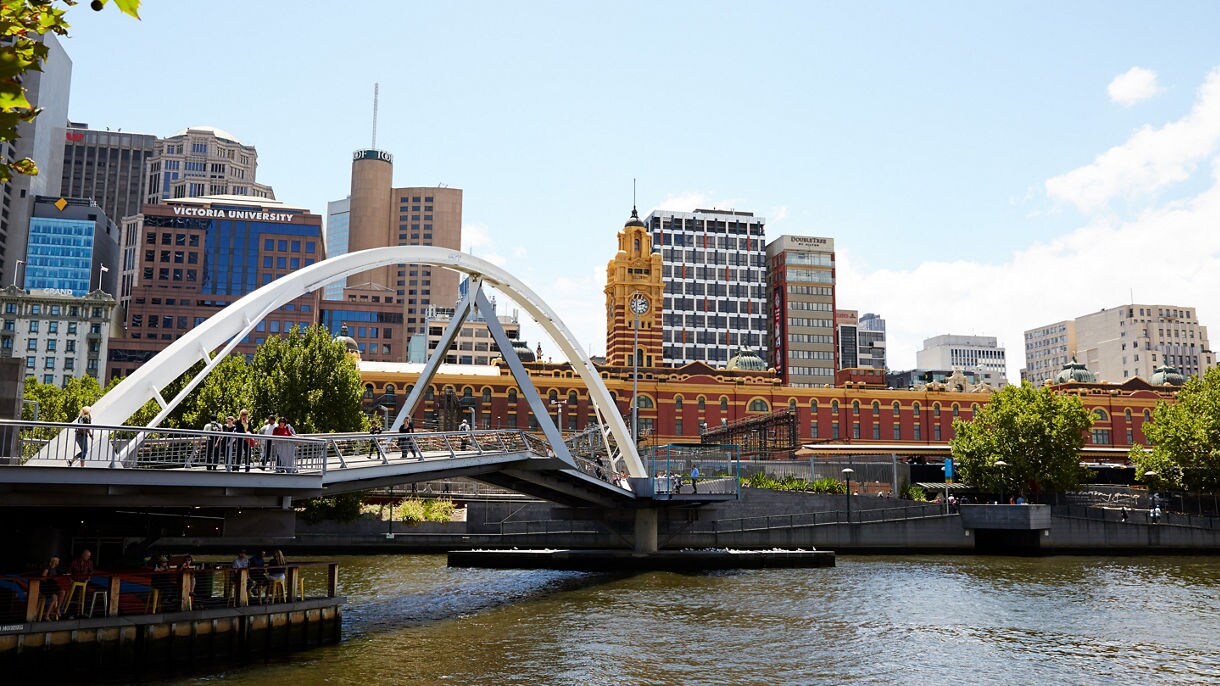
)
(251, 215)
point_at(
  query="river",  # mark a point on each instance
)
(870, 620)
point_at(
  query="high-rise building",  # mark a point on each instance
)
(203, 161)
(846, 324)
(861, 340)
(73, 247)
(714, 266)
(473, 343)
(1123, 342)
(188, 258)
(381, 215)
(40, 140)
(801, 283)
(338, 219)
(60, 336)
(107, 167)
(634, 299)
(982, 355)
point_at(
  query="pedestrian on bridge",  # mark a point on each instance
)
(464, 427)
(694, 479)
(82, 436)
(214, 444)
(285, 451)
(244, 443)
(267, 429)
(406, 443)
(375, 429)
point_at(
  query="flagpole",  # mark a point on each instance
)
(101, 269)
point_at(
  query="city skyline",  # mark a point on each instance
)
(979, 174)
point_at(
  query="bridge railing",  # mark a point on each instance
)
(59, 444)
(346, 450)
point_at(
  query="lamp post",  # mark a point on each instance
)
(1000, 465)
(101, 269)
(17, 268)
(559, 414)
(847, 475)
(1150, 478)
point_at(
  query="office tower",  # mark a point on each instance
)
(188, 258)
(381, 215)
(979, 354)
(199, 161)
(634, 299)
(801, 284)
(41, 141)
(73, 247)
(60, 336)
(714, 265)
(870, 335)
(106, 166)
(1121, 343)
(338, 219)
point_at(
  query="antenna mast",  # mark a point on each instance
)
(376, 89)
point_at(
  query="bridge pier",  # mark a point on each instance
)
(646, 530)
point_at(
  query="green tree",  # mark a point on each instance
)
(307, 377)
(225, 391)
(21, 21)
(1185, 437)
(56, 404)
(1037, 433)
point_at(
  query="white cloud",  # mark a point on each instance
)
(1097, 265)
(777, 214)
(693, 200)
(1132, 86)
(1150, 160)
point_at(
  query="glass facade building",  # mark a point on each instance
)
(338, 221)
(59, 254)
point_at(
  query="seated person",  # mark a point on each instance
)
(258, 572)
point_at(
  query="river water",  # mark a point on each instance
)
(870, 620)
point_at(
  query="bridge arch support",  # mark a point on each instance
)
(225, 329)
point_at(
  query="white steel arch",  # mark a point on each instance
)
(226, 328)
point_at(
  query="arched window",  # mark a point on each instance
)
(915, 408)
(876, 408)
(758, 405)
(1127, 414)
(512, 396)
(1147, 416)
(957, 411)
(552, 395)
(897, 408)
(834, 406)
(1101, 415)
(813, 406)
(936, 410)
(724, 403)
(644, 402)
(467, 392)
(855, 407)
(702, 402)
(430, 393)
(486, 394)
(391, 389)
(572, 399)
(677, 402)
(974, 410)
(792, 405)
(368, 391)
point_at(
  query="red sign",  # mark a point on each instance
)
(74, 136)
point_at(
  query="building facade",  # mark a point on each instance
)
(801, 296)
(1122, 343)
(381, 215)
(202, 161)
(72, 247)
(714, 266)
(188, 258)
(107, 167)
(338, 221)
(473, 344)
(60, 336)
(980, 354)
(847, 337)
(870, 339)
(41, 141)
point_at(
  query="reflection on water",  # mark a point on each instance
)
(871, 620)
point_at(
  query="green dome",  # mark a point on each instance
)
(1075, 372)
(1167, 376)
(746, 361)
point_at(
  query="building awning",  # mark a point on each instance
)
(934, 486)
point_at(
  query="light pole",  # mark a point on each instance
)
(847, 475)
(1150, 477)
(16, 268)
(1000, 465)
(639, 305)
(101, 269)
(559, 413)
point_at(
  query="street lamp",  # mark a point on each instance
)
(847, 475)
(559, 413)
(1000, 465)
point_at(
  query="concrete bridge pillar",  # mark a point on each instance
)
(646, 530)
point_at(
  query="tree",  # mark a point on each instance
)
(57, 404)
(22, 21)
(1185, 437)
(1037, 433)
(307, 377)
(226, 391)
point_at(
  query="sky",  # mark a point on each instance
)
(984, 168)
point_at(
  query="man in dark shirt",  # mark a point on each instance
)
(82, 567)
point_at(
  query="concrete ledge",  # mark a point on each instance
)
(628, 561)
(1006, 517)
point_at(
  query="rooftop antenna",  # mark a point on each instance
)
(376, 93)
(633, 194)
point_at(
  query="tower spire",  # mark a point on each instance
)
(376, 89)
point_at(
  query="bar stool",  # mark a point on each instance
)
(76, 586)
(153, 603)
(105, 596)
(277, 590)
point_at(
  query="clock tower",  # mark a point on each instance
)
(634, 289)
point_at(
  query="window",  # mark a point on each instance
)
(758, 405)
(1101, 436)
(512, 396)
(724, 403)
(1101, 415)
(644, 402)
(897, 409)
(701, 402)
(677, 402)
(855, 408)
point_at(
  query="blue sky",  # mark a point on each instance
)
(983, 167)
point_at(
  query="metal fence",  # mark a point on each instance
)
(678, 469)
(797, 520)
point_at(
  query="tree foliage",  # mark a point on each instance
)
(22, 21)
(307, 377)
(56, 404)
(1036, 432)
(1185, 437)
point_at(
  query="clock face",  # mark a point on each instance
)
(639, 304)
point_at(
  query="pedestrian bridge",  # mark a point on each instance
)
(161, 467)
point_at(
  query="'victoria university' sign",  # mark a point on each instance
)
(249, 215)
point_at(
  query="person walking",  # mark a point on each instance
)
(406, 443)
(285, 451)
(244, 443)
(82, 436)
(230, 444)
(464, 427)
(267, 429)
(694, 479)
(375, 429)
(214, 444)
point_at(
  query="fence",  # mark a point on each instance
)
(716, 469)
(111, 594)
(791, 521)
